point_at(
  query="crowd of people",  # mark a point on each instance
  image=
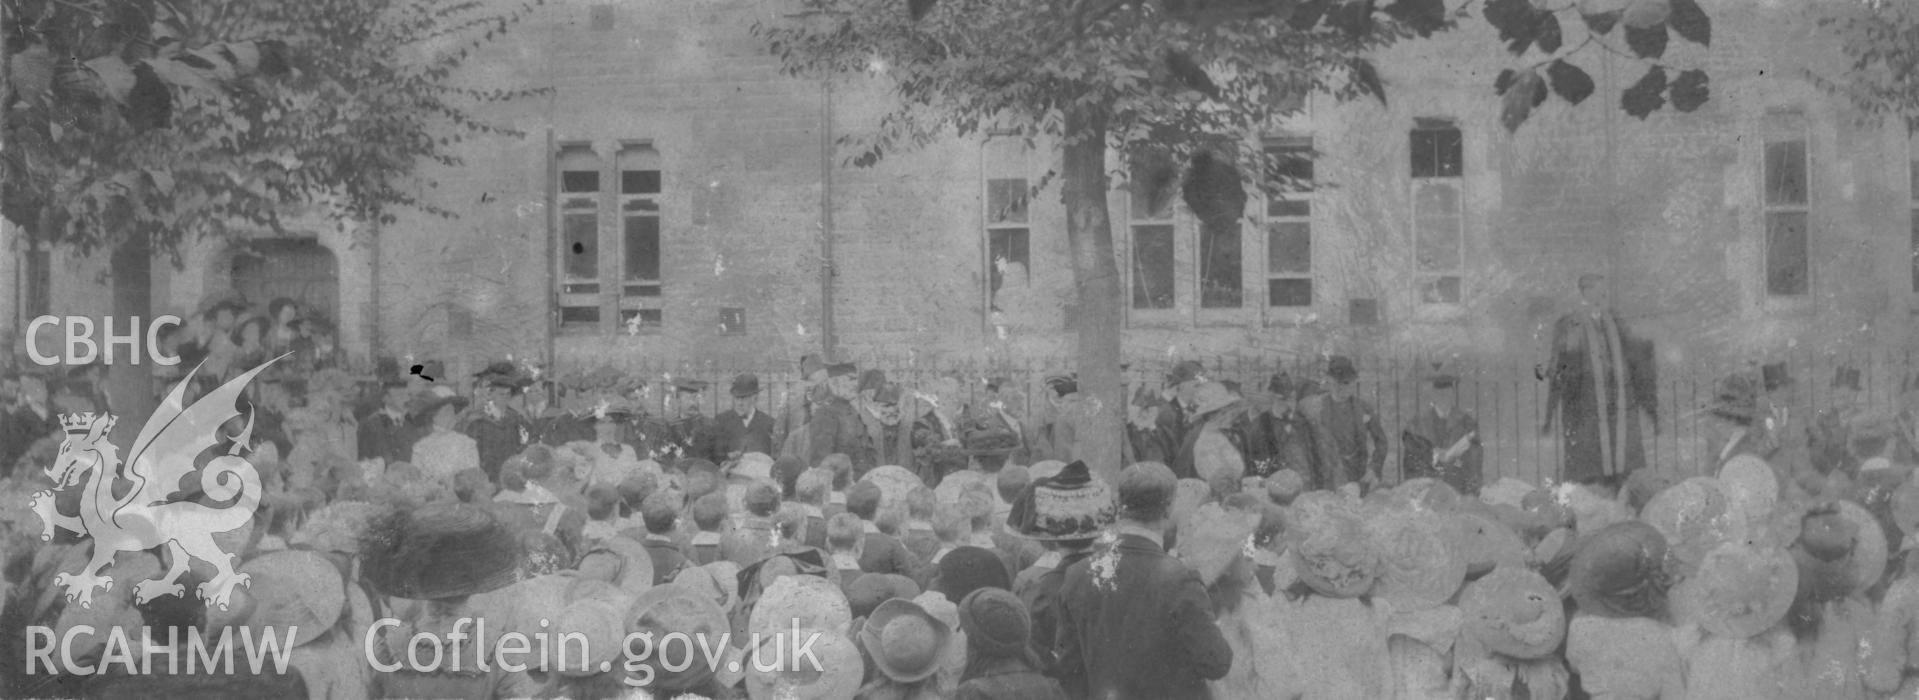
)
(941, 547)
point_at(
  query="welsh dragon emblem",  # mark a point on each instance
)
(148, 515)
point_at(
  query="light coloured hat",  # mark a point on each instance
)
(664, 610)
(1188, 496)
(1751, 488)
(906, 642)
(1694, 517)
(809, 601)
(953, 485)
(1428, 494)
(336, 527)
(837, 676)
(1333, 553)
(596, 611)
(1212, 538)
(1482, 542)
(1739, 591)
(1515, 612)
(754, 465)
(1043, 469)
(1506, 490)
(895, 482)
(1418, 568)
(631, 569)
(295, 590)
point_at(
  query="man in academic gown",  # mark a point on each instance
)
(1601, 379)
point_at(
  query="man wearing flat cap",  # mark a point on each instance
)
(692, 432)
(744, 427)
(836, 427)
(1352, 444)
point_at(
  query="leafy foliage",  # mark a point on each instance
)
(162, 119)
(1645, 25)
(1881, 43)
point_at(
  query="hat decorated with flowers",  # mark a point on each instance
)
(1070, 505)
(1333, 553)
(1418, 567)
(1513, 611)
(1739, 590)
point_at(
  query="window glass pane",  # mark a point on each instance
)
(1219, 265)
(1786, 267)
(1289, 292)
(1440, 290)
(1438, 152)
(639, 182)
(1436, 199)
(1786, 172)
(641, 319)
(642, 247)
(646, 205)
(732, 320)
(581, 238)
(579, 315)
(639, 290)
(1289, 207)
(1152, 186)
(1289, 247)
(1291, 166)
(580, 181)
(1152, 267)
(1007, 246)
(1006, 201)
(1438, 244)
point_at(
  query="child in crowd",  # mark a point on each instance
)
(660, 513)
(812, 489)
(756, 536)
(846, 541)
(918, 537)
(709, 515)
(881, 553)
(602, 508)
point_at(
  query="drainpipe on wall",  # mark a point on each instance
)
(552, 263)
(828, 339)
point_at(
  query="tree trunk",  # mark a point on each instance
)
(1089, 232)
(131, 386)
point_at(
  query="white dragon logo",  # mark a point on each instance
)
(148, 515)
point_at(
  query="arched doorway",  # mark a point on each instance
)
(296, 268)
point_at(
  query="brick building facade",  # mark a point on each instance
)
(670, 198)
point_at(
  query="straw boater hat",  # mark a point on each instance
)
(1071, 505)
(1418, 567)
(1212, 538)
(302, 592)
(1514, 612)
(1482, 542)
(440, 550)
(813, 601)
(664, 610)
(906, 642)
(1620, 571)
(836, 676)
(1739, 592)
(1694, 518)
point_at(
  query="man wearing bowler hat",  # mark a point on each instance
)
(743, 428)
(1351, 442)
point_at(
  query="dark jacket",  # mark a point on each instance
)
(836, 428)
(735, 434)
(380, 435)
(497, 438)
(881, 553)
(1146, 630)
(668, 561)
(1009, 679)
(1041, 596)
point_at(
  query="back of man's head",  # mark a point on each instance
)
(1146, 492)
(843, 532)
(863, 500)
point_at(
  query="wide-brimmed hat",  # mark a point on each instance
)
(1418, 568)
(1620, 571)
(1482, 541)
(812, 600)
(865, 593)
(745, 385)
(595, 611)
(1428, 494)
(967, 569)
(896, 483)
(1070, 505)
(906, 642)
(836, 676)
(1739, 590)
(1211, 396)
(503, 373)
(1213, 537)
(1185, 371)
(664, 610)
(1751, 488)
(440, 550)
(429, 403)
(708, 583)
(302, 592)
(1515, 612)
(1693, 516)
(337, 527)
(1333, 554)
(991, 442)
(1841, 546)
(1340, 368)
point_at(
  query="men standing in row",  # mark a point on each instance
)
(1600, 379)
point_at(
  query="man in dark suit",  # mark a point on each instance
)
(836, 427)
(1135, 622)
(744, 428)
(499, 429)
(388, 433)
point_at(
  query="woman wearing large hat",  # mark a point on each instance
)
(1514, 622)
(1065, 513)
(1617, 641)
(443, 451)
(1737, 602)
(677, 610)
(426, 564)
(906, 646)
(1840, 552)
